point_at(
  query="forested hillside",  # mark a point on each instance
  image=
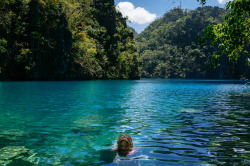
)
(65, 40)
(169, 47)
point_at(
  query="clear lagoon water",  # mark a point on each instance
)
(172, 122)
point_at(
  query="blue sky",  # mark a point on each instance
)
(142, 12)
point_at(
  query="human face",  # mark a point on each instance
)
(124, 146)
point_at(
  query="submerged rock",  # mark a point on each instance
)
(20, 155)
(9, 153)
(12, 134)
(87, 124)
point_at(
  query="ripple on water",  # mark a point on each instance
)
(172, 122)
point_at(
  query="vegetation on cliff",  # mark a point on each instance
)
(169, 47)
(65, 40)
(232, 36)
(89, 39)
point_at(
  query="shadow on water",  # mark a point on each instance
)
(20, 162)
(106, 156)
(242, 100)
(232, 146)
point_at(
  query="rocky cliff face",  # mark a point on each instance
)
(52, 40)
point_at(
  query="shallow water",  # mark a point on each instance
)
(172, 122)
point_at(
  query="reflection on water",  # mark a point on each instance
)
(172, 122)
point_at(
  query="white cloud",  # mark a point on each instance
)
(223, 1)
(136, 15)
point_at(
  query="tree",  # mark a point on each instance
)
(13, 48)
(233, 35)
(65, 39)
(169, 46)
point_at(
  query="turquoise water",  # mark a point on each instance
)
(172, 122)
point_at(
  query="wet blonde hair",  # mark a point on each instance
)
(127, 138)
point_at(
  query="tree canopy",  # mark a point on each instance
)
(232, 35)
(169, 47)
(65, 39)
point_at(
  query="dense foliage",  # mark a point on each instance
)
(233, 35)
(65, 39)
(169, 47)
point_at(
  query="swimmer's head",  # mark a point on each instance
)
(125, 144)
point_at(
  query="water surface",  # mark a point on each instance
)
(172, 122)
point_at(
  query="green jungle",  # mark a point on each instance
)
(89, 39)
